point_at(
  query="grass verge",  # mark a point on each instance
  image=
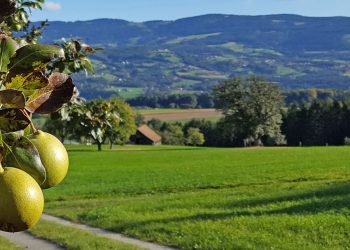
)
(76, 239)
(7, 245)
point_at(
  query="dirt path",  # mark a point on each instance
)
(30, 242)
(107, 234)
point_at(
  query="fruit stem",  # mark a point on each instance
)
(33, 127)
(34, 130)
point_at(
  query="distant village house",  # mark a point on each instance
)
(146, 136)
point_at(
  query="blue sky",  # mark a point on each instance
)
(144, 10)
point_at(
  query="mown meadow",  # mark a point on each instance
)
(211, 198)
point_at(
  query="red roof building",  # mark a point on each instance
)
(146, 136)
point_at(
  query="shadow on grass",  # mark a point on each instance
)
(331, 199)
(333, 190)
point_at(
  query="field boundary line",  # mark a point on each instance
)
(107, 234)
(30, 242)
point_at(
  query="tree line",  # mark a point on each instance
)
(183, 101)
(206, 100)
(255, 113)
(317, 123)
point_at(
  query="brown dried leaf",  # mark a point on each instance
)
(51, 98)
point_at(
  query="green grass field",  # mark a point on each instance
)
(201, 198)
(6, 245)
(190, 38)
(125, 92)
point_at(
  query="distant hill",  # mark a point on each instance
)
(193, 54)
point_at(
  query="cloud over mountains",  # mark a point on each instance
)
(52, 6)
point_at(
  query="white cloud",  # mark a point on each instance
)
(52, 6)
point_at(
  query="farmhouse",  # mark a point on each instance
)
(146, 136)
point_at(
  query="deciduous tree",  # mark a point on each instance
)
(252, 105)
(194, 137)
(121, 131)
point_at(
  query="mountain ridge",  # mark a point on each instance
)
(195, 53)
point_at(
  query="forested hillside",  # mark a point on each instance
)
(193, 54)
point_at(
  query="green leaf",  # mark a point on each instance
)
(27, 82)
(51, 98)
(7, 49)
(13, 120)
(1, 153)
(12, 98)
(88, 64)
(23, 154)
(34, 55)
(97, 134)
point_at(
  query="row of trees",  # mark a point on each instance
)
(255, 114)
(318, 123)
(185, 101)
(304, 96)
(191, 101)
(206, 100)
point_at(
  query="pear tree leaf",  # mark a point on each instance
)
(23, 154)
(7, 49)
(88, 64)
(51, 98)
(27, 82)
(13, 120)
(27, 131)
(34, 55)
(12, 98)
(12, 137)
(1, 153)
(97, 134)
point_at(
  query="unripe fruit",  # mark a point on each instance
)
(53, 156)
(18, 27)
(21, 200)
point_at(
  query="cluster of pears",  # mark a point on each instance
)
(21, 196)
